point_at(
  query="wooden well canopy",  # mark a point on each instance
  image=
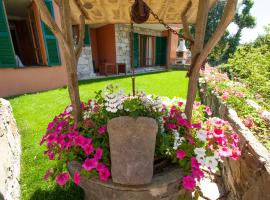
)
(183, 12)
(118, 11)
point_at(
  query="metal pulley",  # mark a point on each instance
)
(139, 12)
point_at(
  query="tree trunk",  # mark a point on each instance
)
(196, 50)
(71, 62)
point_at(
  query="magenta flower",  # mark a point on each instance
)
(197, 125)
(51, 138)
(51, 155)
(100, 167)
(89, 164)
(218, 132)
(104, 174)
(88, 149)
(188, 182)
(171, 126)
(98, 154)
(208, 110)
(197, 173)
(82, 141)
(62, 179)
(101, 130)
(194, 163)
(180, 154)
(47, 175)
(76, 178)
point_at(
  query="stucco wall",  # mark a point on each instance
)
(30, 79)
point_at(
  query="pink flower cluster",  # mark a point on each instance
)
(221, 138)
(177, 119)
(63, 137)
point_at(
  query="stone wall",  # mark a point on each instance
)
(248, 178)
(85, 68)
(122, 40)
(10, 152)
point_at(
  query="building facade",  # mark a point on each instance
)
(31, 60)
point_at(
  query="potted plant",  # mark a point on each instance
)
(120, 130)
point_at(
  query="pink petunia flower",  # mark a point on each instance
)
(225, 96)
(208, 110)
(248, 122)
(104, 173)
(89, 164)
(47, 175)
(188, 182)
(197, 125)
(62, 179)
(236, 153)
(98, 154)
(88, 149)
(51, 155)
(197, 173)
(194, 163)
(225, 151)
(218, 132)
(76, 178)
(101, 130)
(180, 154)
(171, 126)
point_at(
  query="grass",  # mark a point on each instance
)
(34, 111)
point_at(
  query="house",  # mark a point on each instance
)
(31, 61)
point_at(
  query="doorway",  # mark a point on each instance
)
(147, 50)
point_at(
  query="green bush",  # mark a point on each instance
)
(251, 64)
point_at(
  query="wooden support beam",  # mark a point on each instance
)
(78, 49)
(65, 38)
(186, 30)
(200, 54)
(82, 9)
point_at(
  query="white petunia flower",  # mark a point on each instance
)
(211, 163)
(199, 152)
(202, 135)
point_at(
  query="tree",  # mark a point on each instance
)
(228, 43)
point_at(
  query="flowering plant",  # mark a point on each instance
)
(194, 146)
(250, 107)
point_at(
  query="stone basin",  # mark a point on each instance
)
(164, 186)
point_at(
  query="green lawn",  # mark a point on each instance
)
(34, 111)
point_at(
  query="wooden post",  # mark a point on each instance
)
(65, 39)
(201, 22)
(200, 53)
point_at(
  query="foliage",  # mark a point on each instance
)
(88, 142)
(228, 43)
(251, 64)
(238, 96)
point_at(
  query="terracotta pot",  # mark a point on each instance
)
(132, 148)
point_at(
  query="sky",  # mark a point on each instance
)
(260, 10)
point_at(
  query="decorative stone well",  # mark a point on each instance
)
(164, 186)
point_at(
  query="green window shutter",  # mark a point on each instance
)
(7, 55)
(158, 50)
(136, 50)
(161, 51)
(50, 40)
(87, 36)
